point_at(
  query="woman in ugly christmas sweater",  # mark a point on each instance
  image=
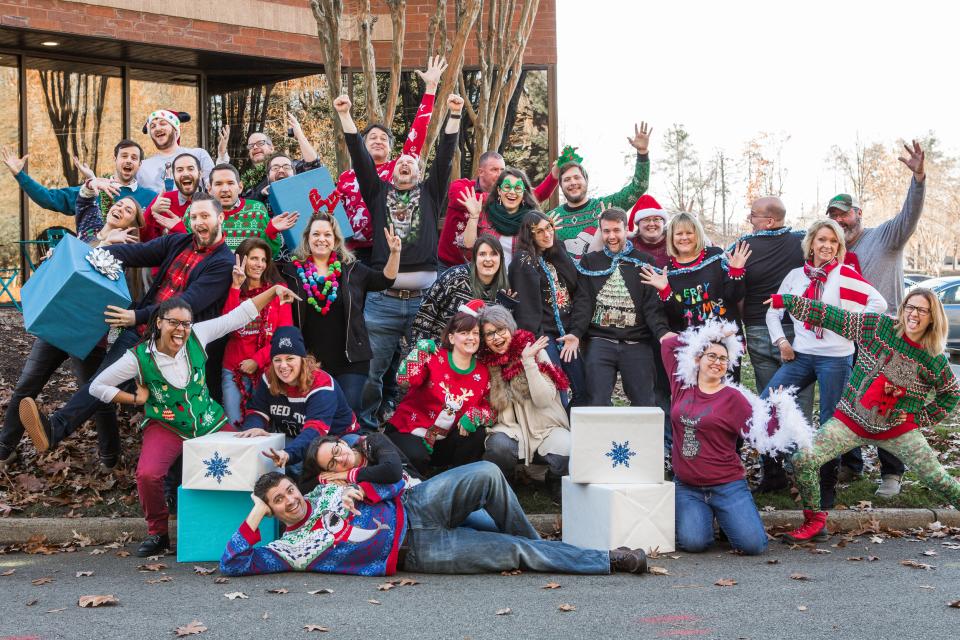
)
(248, 349)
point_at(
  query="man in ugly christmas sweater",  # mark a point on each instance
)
(167, 211)
(372, 529)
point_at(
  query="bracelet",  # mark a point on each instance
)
(456, 116)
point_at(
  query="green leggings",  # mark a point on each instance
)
(835, 438)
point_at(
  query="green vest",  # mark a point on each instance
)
(188, 412)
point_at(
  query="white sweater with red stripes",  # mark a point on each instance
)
(858, 295)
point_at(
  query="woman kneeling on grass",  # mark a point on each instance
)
(900, 361)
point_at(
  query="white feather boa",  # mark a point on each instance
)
(793, 429)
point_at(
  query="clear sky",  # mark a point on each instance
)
(822, 72)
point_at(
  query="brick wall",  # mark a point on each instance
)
(283, 29)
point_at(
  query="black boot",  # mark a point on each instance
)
(554, 487)
(154, 545)
(626, 560)
(774, 477)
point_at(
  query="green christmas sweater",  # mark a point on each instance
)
(576, 226)
(248, 219)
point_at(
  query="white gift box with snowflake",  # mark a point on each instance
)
(620, 445)
(223, 462)
(607, 516)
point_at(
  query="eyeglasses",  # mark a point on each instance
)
(286, 167)
(178, 324)
(712, 357)
(920, 311)
(516, 187)
(333, 456)
(258, 144)
(502, 332)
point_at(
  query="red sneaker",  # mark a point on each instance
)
(813, 529)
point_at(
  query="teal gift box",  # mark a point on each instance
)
(206, 520)
(306, 193)
(64, 301)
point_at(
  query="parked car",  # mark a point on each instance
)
(947, 289)
(911, 280)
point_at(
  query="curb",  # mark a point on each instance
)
(103, 530)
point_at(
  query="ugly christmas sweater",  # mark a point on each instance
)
(178, 206)
(437, 385)
(330, 539)
(702, 289)
(252, 341)
(349, 188)
(249, 219)
(886, 395)
(577, 225)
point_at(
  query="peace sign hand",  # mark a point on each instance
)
(279, 458)
(641, 138)
(393, 240)
(239, 272)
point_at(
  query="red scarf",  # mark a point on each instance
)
(818, 277)
(511, 365)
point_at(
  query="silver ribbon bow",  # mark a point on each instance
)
(105, 262)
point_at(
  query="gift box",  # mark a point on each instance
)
(64, 300)
(616, 444)
(607, 516)
(223, 462)
(306, 193)
(206, 520)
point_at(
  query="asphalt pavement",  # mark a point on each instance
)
(833, 598)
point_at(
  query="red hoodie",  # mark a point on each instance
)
(244, 342)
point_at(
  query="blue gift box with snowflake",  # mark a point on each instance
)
(223, 462)
(620, 445)
(207, 519)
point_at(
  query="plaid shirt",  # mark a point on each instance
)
(175, 279)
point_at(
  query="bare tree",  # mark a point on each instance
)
(327, 15)
(74, 103)
(681, 162)
(861, 168)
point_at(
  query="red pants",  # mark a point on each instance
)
(161, 448)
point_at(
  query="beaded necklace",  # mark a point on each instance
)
(320, 289)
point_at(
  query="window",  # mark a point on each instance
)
(9, 138)
(153, 90)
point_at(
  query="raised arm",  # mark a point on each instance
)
(417, 136)
(307, 152)
(896, 232)
(850, 325)
(439, 174)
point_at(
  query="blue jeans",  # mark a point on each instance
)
(575, 374)
(232, 397)
(436, 508)
(733, 507)
(352, 386)
(830, 372)
(388, 321)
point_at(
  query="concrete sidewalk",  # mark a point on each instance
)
(60, 530)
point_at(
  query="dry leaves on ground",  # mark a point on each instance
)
(954, 605)
(279, 590)
(233, 595)
(122, 554)
(8, 572)
(84, 574)
(504, 612)
(567, 607)
(221, 580)
(43, 580)
(862, 558)
(372, 601)
(917, 565)
(929, 552)
(801, 607)
(315, 627)
(773, 561)
(551, 585)
(725, 582)
(160, 579)
(320, 592)
(156, 566)
(97, 601)
(658, 571)
(802, 577)
(32, 601)
(512, 572)
(191, 629)
(204, 571)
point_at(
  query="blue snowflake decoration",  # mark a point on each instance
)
(620, 454)
(217, 467)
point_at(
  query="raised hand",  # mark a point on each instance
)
(431, 77)
(454, 103)
(14, 164)
(641, 138)
(738, 259)
(84, 170)
(393, 240)
(279, 458)
(294, 124)
(105, 185)
(285, 221)
(471, 201)
(239, 273)
(914, 160)
(657, 279)
(223, 140)
(532, 349)
(342, 104)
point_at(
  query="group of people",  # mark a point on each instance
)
(418, 366)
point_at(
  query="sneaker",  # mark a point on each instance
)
(813, 529)
(7, 457)
(36, 424)
(848, 475)
(626, 560)
(889, 486)
(154, 545)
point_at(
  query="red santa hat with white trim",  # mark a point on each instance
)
(645, 207)
(471, 308)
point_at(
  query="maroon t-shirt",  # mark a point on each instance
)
(705, 428)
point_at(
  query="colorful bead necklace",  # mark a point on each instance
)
(320, 289)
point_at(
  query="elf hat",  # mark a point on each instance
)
(645, 207)
(471, 308)
(175, 118)
(287, 341)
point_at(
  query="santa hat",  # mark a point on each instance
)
(175, 118)
(471, 308)
(645, 207)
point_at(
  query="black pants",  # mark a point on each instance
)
(637, 369)
(453, 451)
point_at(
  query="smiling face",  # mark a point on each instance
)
(377, 143)
(488, 263)
(174, 326)
(287, 367)
(122, 214)
(543, 235)
(685, 239)
(256, 264)
(497, 339)
(850, 221)
(205, 223)
(650, 229)
(259, 147)
(511, 191)
(466, 342)
(406, 172)
(225, 187)
(127, 163)
(280, 167)
(824, 247)
(162, 133)
(321, 239)
(337, 456)
(186, 175)
(614, 235)
(287, 503)
(574, 186)
(915, 316)
(712, 364)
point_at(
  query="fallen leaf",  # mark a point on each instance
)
(122, 554)
(315, 627)
(84, 574)
(855, 558)
(99, 552)
(155, 558)
(8, 572)
(160, 579)
(221, 580)
(799, 576)
(372, 601)
(158, 566)
(917, 565)
(408, 582)
(191, 629)
(507, 611)
(773, 561)
(40, 581)
(551, 585)
(278, 590)
(725, 582)
(927, 586)
(320, 592)
(32, 602)
(82, 540)
(871, 558)
(233, 595)
(567, 607)
(29, 483)
(512, 572)
(864, 504)
(653, 554)
(801, 607)
(929, 552)
(955, 604)
(97, 601)
(56, 610)
(386, 586)
(658, 571)
(817, 551)
(203, 571)
(876, 539)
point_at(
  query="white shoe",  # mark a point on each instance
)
(889, 486)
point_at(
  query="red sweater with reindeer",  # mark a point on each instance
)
(436, 386)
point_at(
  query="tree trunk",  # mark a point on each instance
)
(327, 15)
(368, 63)
(398, 18)
(74, 104)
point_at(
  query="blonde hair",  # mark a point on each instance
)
(807, 244)
(934, 338)
(339, 246)
(304, 381)
(690, 220)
